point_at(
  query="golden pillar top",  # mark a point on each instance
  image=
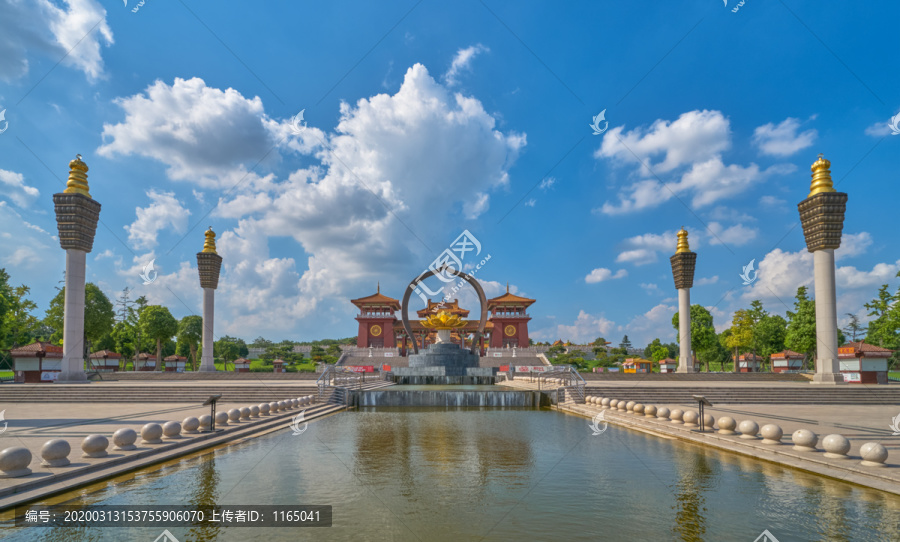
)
(77, 183)
(209, 245)
(821, 177)
(682, 241)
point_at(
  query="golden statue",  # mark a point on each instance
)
(821, 177)
(209, 244)
(77, 183)
(682, 241)
(443, 322)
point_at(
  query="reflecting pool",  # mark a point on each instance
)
(494, 474)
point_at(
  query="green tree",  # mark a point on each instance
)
(156, 322)
(659, 352)
(769, 334)
(98, 315)
(123, 335)
(801, 326)
(883, 328)
(19, 326)
(703, 333)
(853, 328)
(741, 337)
(317, 353)
(599, 341)
(190, 332)
(626, 344)
(334, 350)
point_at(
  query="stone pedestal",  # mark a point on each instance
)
(828, 369)
(73, 319)
(444, 363)
(208, 265)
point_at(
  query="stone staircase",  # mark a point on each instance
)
(812, 395)
(90, 393)
(339, 395)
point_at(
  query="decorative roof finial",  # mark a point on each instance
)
(77, 183)
(379, 287)
(821, 177)
(209, 245)
(682, 241)
(507, 286)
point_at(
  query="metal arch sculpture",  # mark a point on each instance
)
(404, 307)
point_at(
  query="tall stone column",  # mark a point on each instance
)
(683, 263)
(822, 216)
(209, 263)
(76, 219)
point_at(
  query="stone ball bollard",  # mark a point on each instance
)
(205, 422)
(804, 440)
(190, 425)
(873, 454)
(221, 419)
(662, 413)
(172, 430)
(124, 439)
(94, 446)
(14, 462)
(604, 403)
(254, 411)
(676, 415)
(296, 402)
(55, 453)
(245, 413)
(836, 446)
(771, 434)
(629, 406)
(638, 409)
(151, 433)
(690, 418)
(622, 405)
(264, 409)
(649, 411)
(613, 403)
(709, 423)
(283, 405)
(273, 407)
(234, 414)
(727, 425)
(748, 429)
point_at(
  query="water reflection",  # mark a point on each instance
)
(435, 475)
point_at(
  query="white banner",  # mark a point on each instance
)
(531, 368)
(49, 376)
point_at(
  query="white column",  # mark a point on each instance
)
(827, 366)
(206, 358)
(685, 360)
(73, 318)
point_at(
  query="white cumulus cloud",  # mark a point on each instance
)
(601, 273)
(783, 139)
(12, 185)
(165, 212)
(462, 62)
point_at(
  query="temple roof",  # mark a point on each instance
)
(37, 349)
(865, 349)
(787, 354)
(749, 356)
(667, 360)
(143, 356)
(451, 307)
(416, 325)
(510, 299)
(174, 358)
(377, 299)
(100, 354)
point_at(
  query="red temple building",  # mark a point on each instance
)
(380, 324)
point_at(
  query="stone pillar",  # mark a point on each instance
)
(209, 263)
(77, 215)
(683, 264)
(822, 216)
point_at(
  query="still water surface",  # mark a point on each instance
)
(492, 474)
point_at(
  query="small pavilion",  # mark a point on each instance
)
(637, 365)
(668, 365)
(749, 363)
(786, 360)
(105, 360)
(37, 362)
(864, 363)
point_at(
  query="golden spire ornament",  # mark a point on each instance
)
(821, 177)
(209, 245)
(682, 241)
(77, 183)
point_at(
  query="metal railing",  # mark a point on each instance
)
(334, 378)
(572, 382)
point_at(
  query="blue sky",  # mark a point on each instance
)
(422, 120)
